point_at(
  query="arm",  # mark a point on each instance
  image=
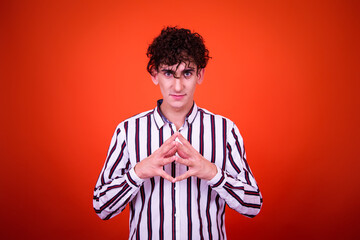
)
(119, 181)
(117, 184)
(236, 185)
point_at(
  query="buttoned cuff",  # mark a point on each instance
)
(218, 180)
(133, 178)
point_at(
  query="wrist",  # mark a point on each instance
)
(134, 178)
(138, 171)
(214, 171)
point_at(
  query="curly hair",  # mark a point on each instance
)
(175, 46)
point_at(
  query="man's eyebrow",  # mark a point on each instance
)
(171, 70)
(189, 69)
(167, 70)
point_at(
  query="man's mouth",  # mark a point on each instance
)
(177, 96)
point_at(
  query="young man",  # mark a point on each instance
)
(178, 165)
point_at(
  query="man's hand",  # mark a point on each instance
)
(198, 165)
(153, 165)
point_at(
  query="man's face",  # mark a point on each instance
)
(177, 84)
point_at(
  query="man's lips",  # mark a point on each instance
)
(177, 96)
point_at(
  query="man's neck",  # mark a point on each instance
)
(176, 116)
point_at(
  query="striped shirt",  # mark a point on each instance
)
(189, 209)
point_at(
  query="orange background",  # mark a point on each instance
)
(286, 72)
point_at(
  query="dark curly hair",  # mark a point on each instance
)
(175, 46)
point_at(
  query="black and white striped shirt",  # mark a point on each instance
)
(189, 209)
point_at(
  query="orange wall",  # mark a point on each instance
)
(287, 72)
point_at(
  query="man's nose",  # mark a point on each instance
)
(178, 84)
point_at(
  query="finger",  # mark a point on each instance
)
(183, 176)
(166, 147)
(172, 137)
(171, 152)
(182, 150)
(183, 161)
(166, 176)
(167, 160)
(183, 140)
(168, 144)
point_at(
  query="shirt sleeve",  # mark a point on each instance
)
(236, 183)
(118, 183)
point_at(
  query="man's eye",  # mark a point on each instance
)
(168, 74)
(187, 74)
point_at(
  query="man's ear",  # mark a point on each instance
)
(154, 77)
(200, 76)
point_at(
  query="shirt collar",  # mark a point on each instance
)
(160, 119)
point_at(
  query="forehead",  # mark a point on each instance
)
(179, 66)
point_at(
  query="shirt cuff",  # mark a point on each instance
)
(133, 178)
(218, 180)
